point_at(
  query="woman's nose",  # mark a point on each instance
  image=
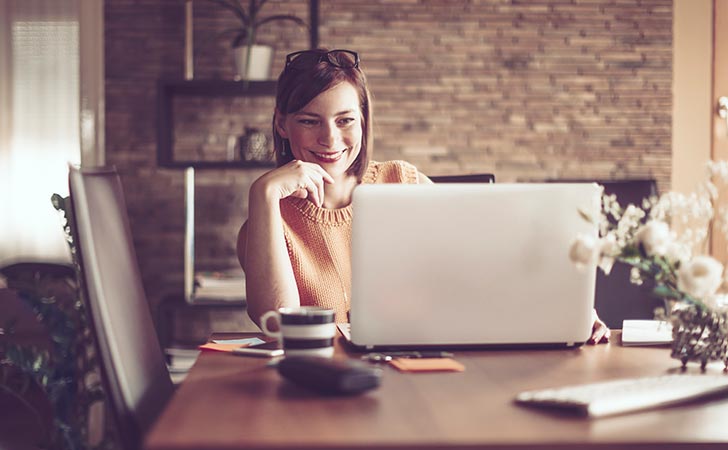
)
(329, 135)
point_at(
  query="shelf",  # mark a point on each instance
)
(167, 89)
(177, 164)
(171, 87)
(217, 87)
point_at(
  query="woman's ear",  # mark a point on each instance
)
(280, 121)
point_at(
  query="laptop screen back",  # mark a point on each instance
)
(470, 264)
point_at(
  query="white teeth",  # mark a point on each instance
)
(330, 156)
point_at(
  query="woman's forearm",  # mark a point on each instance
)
(270, 283)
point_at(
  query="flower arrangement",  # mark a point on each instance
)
(664, 240)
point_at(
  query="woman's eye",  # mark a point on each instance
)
(307, 122)
(346, 120)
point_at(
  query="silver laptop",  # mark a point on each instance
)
(461, 265)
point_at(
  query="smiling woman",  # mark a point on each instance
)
(295, 245)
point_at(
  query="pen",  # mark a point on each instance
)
(388, 356)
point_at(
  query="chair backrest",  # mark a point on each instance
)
(135, 376)
(616, 297)
(469, 178)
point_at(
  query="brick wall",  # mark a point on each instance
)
(528, 90)
(524, 89)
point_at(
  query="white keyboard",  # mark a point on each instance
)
(627, 395)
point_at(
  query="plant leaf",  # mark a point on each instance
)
(663, 291)
(253, 9)
(282, 17)
(236, 9)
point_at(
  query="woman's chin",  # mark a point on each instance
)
(336, 169)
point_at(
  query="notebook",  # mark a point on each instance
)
(470, 265)
(646, 332)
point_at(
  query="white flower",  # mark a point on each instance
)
(717, 302)
(608, 250)
(584, 250)
(677, 252)
(608, 245)
(700, 277)
(719, 170)
(654, 237)
(635, 277)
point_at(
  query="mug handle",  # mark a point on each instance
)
(264, 324)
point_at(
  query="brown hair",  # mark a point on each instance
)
(305, 78)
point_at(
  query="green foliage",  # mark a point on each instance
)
(249, 21)
(660, 270)
(65, 368)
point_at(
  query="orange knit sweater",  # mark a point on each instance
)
(319, 241)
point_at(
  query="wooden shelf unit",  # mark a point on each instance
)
(168, 89)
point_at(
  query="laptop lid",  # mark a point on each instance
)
(470, 265)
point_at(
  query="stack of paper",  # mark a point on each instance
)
(180, 361)
(646, 332)
(220, 286)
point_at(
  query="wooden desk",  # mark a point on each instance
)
(230, 402)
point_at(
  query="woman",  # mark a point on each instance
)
(294, 247)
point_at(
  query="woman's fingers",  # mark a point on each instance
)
(312, 186)
(313, 178)
(300, 193)
(301, 179)
(600, 333)
(324, 174)
(320, 187)
(318, 177)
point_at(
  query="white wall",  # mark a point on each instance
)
(692, 97)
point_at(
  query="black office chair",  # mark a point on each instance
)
(469, 178)
(132, 363)
(616, 298)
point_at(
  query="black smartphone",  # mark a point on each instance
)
(265, 349)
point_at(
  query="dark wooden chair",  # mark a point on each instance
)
(616, 298)
(469, 178)
(132, 363)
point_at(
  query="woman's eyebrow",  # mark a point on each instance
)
(305, 113)
(340, 113)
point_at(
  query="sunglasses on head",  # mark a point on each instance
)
(343, 59)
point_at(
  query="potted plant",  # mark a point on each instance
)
(61, 363)
(252, 60)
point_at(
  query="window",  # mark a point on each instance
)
(39, 124)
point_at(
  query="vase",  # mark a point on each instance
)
(699, 335)
(260, 56)
(253, 146)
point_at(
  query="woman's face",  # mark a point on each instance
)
(328, 130)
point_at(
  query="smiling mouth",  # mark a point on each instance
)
(329, 157)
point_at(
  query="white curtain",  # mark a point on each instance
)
(39, 124)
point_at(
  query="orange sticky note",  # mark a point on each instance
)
(220, 347)
(427, 365)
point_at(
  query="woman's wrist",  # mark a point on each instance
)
(263, 192)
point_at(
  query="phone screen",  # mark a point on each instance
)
(269, 349)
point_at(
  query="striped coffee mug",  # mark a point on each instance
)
(303, 330)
